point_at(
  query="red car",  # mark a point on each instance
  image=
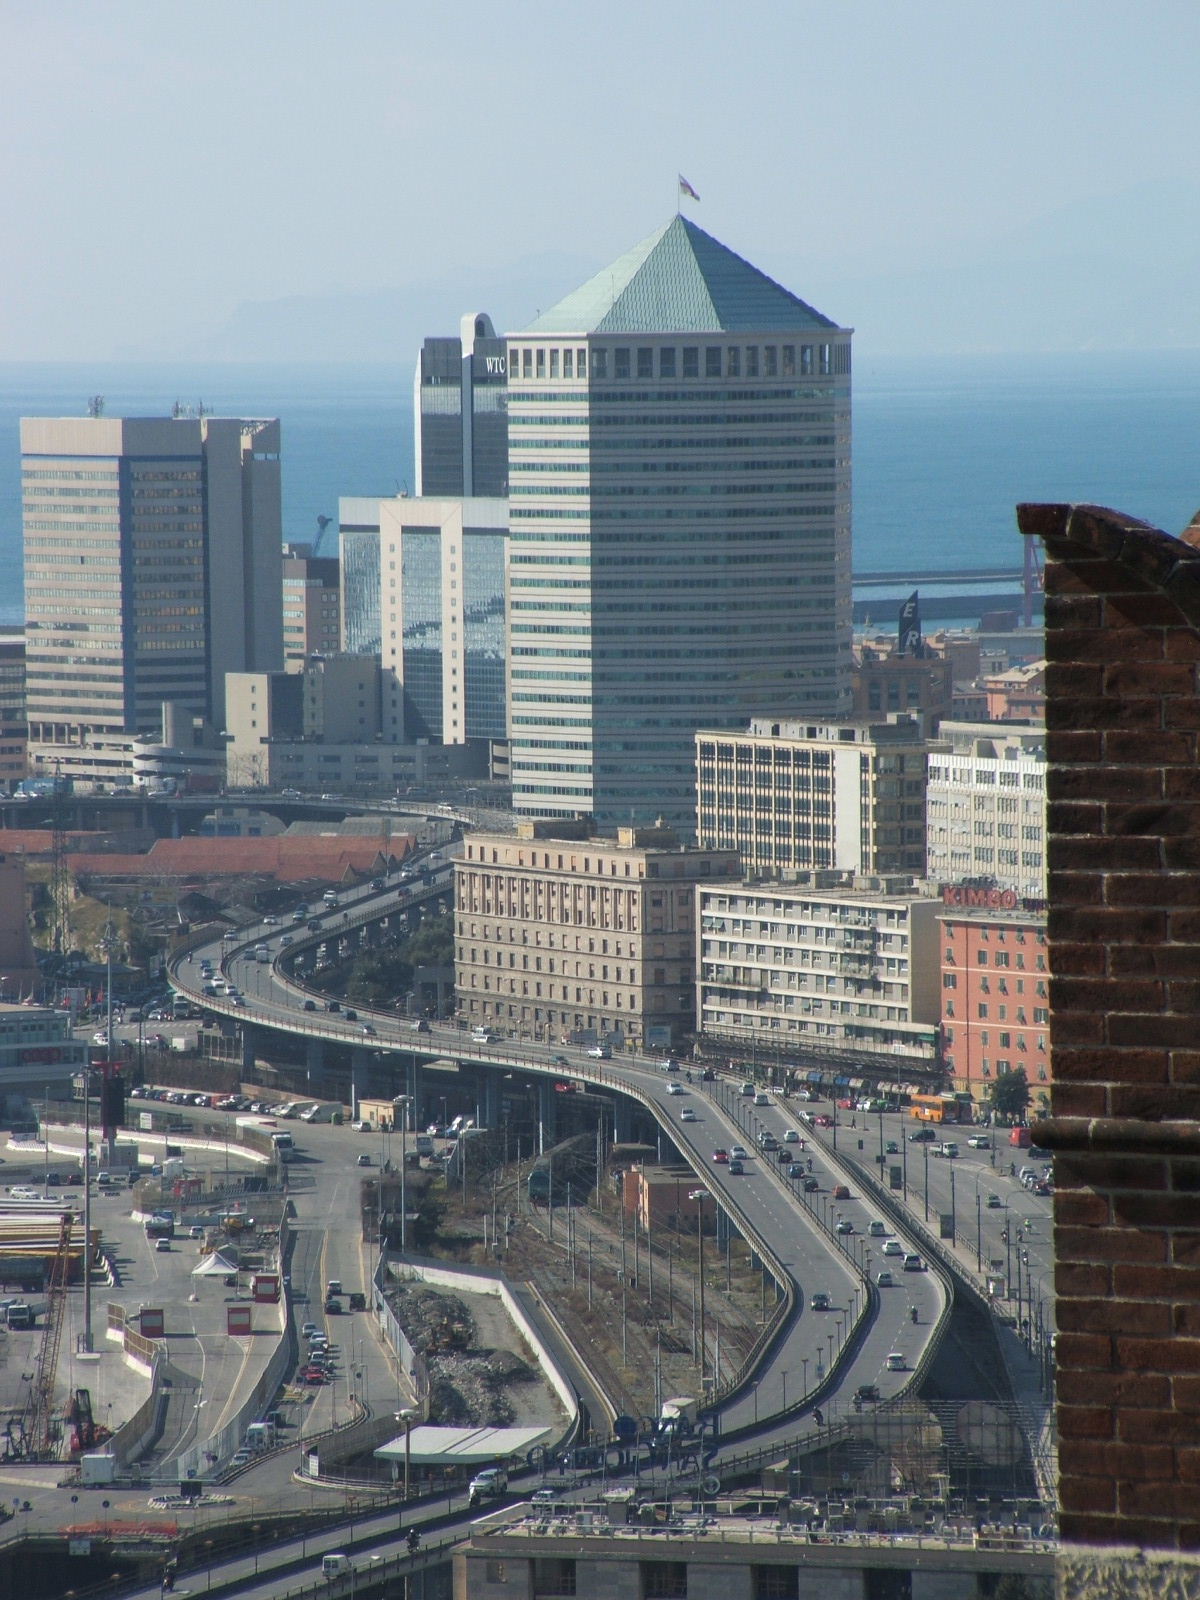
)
(823, 1121)
(313, 1376)
(721, 1155)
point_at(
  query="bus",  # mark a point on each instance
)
(938, 1108)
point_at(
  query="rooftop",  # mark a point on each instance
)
(680, 280)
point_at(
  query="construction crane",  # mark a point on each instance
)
(41, 1432)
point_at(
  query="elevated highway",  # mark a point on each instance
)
(808, 1357)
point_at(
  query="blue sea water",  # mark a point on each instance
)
(944, 447)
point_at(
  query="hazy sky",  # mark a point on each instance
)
(165, 164)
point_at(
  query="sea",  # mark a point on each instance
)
(944, 446)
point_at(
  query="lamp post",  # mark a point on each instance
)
(925, 1153)
(407, 1416)
(953, 1212)
(783, 1375)
(804, 1373)
(403, 1103)
(699, 1196)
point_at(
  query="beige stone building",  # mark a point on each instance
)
(565, 936)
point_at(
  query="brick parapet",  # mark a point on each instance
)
(1123, 792)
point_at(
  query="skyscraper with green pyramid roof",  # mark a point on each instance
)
(679, 482)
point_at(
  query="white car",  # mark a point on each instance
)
(979, 1141)
(687, 1115)
(100, 1036)
(739, 1152)
(791, 1137)
(893, 1247)
(885, 1280)
(674, 1088)
(896, 1362)
(600, 1052)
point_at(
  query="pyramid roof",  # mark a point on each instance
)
(680, 280)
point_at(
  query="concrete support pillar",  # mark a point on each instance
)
(314, 1060)
(622, 1118)
(360, 1067)
(489, 1099)
(547, 1114)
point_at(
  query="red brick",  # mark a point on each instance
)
(1158, 679)
(1079, 1100)
(1154, 1355)
(1151, 1210)
(1082, 1210)
(1086, 1422)
(1151, 1318)
(1141, 611)
(1083, 1278)
(1149, 1028)
(1161, 1282)
(1081, 1494)
(1185, 1393)
(1084, 1350)
(1154, 1105)
(1110, 1244)
(1144, 889)
(1110, 924)
(1152, 1426)
(1143, 1393)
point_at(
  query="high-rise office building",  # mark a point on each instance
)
(442, 576)
(459, 413)
(679, 484)
(152, 568)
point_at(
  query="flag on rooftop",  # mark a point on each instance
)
(686, 188)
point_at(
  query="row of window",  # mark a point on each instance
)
(668, 361)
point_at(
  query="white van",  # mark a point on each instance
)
(484, 1035)
(335, 1565)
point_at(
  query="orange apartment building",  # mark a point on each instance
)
(995, 991)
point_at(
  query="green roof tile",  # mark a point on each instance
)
(680, 280)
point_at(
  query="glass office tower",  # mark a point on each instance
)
(460, 413)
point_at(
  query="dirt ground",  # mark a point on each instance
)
(632, 1313)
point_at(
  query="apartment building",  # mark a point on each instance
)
(568, 936)
(833, 965)
(312, 622)
(995, 990)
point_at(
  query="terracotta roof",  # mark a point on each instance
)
(288, 859)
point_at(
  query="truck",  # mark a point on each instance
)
(262, 952)
(488, 1484)
(678, 1415)
(285, 1145)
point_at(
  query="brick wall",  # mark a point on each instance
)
(1123, 717)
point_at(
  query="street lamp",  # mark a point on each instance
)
(407, 1416)
(699, 1196)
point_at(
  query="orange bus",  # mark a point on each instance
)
(934, 1108)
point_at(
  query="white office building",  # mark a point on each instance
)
(679, 488)
(986, 806)
(832, 965)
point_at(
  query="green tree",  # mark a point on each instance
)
(1009, 1095)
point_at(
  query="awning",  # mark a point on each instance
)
(215, 1266)
(430, 1446)
(816, 1077)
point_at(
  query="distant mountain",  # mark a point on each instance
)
(1109, 272)
(389, 324)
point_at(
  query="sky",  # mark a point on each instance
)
(238, 181)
